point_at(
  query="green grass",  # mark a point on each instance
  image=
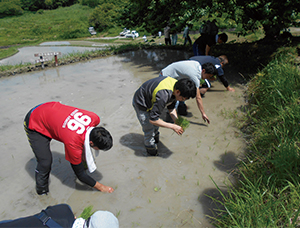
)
(31, 28)
(267, 192)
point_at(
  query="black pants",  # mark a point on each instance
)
(40, 145)
(167, 41)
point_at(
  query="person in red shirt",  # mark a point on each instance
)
(76, 129)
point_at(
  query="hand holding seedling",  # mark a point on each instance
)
(178, 129)
(183, 123)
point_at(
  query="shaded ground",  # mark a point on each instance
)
(166, 191)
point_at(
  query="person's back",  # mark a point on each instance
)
(202, 59)
(184, 69)
(143, 96)
(219, 62)
(203, 44)
(167, 31)
(61, 214)
(64, 123)
(203, 41)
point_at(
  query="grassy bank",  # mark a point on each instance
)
(35, 27)
(268, 190)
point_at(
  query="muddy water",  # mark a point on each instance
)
(26, 54)
(165, 191)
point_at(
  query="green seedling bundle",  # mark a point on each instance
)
(182, 122)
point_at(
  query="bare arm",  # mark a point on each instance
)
(200, 106)
(174, 127)
(207, 49)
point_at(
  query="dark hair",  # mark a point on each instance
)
(223, 37)
(186, 87)
(209, 68)
(223, 59)
(101, 138)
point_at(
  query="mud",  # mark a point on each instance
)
(167, 191)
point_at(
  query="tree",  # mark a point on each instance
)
(272, 15)
(155, 14)
(10, 8)
(106, 14)
(35, 5)
(90, 3)
(101, 17)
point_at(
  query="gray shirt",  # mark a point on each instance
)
(184, 69)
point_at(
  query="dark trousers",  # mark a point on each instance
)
(187, 39)
(167, 41)
(196, 50)
(40, 145)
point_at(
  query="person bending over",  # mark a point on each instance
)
(149, 102)
(76, 129)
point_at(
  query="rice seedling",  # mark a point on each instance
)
(156, 189)
(182, 122)
(87, 212)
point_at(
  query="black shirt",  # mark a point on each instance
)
(61, 214)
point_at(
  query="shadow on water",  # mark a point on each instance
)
(135, 142)
(62, 170)
(211, 199)
(227, 162)
(160, 58)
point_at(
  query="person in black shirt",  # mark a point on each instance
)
(203, 44)
(219, 62)
(61, 215)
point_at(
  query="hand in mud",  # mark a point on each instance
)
(205, 118)
(107, 189)
(103, 188)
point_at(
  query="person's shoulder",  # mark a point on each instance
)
(62, 206)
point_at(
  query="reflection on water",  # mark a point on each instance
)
(158, 58)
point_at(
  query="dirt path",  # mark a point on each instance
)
(167, 191)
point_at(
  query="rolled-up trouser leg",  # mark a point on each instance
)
(40, 145)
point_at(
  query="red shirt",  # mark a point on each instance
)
(65, 124)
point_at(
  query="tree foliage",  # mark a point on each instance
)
(272, 15)
(10, 8)
(90, 3)
(106, 14)
(101, 17)
(34, 5)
